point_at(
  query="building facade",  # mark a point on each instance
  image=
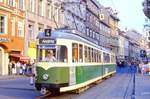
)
(134, 44)
(105, 29)
(52, 14)
(147, 35)
(113, 23)
(12, 31)
(92, 21)
(123, 49)
(146, 8)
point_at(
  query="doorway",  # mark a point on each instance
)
(1, 60)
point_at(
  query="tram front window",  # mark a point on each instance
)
(55, 54)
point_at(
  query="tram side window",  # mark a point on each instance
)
(106, 58)
(95, 56)
(74, 52)
(89, 54)
(62, 54)
(112, 58)
(80, 53)
(85, 54)
(92, 55)
(99, 56)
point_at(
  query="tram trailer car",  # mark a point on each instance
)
(78, 64)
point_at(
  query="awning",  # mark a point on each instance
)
(21, 57)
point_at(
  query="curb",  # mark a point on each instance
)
(8, 77)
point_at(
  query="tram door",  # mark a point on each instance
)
(74, 61)
(1, 58)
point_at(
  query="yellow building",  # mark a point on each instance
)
(12, 31)
(113, 23)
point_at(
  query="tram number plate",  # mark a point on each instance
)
(106, 70)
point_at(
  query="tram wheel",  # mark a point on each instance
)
(55, 91)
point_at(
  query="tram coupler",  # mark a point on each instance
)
(43, 90)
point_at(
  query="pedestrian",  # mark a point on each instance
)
(18, 65)
(21, 70)
(32, 76)
(13, 68)
(144, 69)
(24, 68)
(32, 79)
(10, 68)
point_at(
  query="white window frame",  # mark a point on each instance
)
(20, 29)
(21, 5)
(5, 25)
(12, 26)
(31, 5)
(41, 7)
(1, 0)
(11, 3)
(31, 31)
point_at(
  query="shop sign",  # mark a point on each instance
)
(4, 40)
(32, 44)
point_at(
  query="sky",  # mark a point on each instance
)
(130, 13)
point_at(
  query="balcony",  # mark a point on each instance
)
(113, 42)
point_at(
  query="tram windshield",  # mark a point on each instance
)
(52, 53)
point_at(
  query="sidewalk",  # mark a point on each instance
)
(7, 77)
(142, 86)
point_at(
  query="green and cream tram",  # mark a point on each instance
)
(78, 64)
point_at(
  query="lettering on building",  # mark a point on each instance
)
(4, 40)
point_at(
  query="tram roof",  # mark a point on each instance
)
(71, 36)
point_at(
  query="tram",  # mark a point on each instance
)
(78, 62)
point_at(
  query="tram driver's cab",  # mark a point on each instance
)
(52, 53)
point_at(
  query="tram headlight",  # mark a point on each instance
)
(45, 76)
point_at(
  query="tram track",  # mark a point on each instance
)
(128, 85)
(44, 96)
(131, 83)
(129, 89)
(105, 87)
(119, 77)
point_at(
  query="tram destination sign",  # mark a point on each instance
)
(47, 41)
